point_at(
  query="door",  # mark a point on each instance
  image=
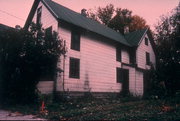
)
(125, 82)
(147, 83)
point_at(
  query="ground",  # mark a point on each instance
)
(8, 115)
(123, 109)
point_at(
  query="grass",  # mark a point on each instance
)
(123, 109)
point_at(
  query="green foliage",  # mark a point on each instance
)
(110, 109)
(168, 48)
(105, 14)
(118, 18)
(26, 57)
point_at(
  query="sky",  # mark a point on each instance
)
(15, 12)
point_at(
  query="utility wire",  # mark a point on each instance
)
(12, 15)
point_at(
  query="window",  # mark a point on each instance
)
(132, 58)
(75, 40)
(122, 75)
(147, 58)
(48, 32)
(74, 68)
(118, 54)
(39, 12)
(146, 41)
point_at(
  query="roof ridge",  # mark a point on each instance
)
(86, 17)
(63, 13)
(133, 38)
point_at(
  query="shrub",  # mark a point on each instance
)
(27, 56)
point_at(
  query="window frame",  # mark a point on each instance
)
(120, 75)
(146, 41)
(75, 43)
(118, 54)
(74, 70)
(38, 17)
(48, 32)
(147, 58)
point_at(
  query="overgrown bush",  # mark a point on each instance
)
(168, 51)
(25, 58)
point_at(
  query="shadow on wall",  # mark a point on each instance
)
(87, 88)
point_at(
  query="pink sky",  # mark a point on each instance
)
(15, 12)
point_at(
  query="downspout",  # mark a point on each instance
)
(135, 80)
(135, 67)
(64, 60)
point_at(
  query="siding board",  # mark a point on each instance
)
(141, 54)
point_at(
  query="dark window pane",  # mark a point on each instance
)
(118, 54)
(122, 75)
(146, 41)
(74, 69)
(75, 40)
(147, 58)
(132, 55)
(48, 32)
(39, 12)
(119, 72)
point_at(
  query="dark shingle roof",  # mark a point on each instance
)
(63, 13)
(4, 27)
(134, 38)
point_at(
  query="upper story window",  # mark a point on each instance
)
(75, 40)
(132, 56)
(147, 58)
(146, 41)
(74, 68)
(48, 32)
(118, 54)
(39, 13)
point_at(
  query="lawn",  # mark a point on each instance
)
(123, 109)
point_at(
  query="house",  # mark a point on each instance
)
(99, 60)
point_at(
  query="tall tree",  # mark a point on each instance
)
(105, 14)
(121, 19)
(26, 57)
(137, 23)
(168, 45)
(118, 18)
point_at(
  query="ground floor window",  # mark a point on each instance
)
(74, 68)
(122, 75)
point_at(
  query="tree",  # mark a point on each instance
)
(168, 45)
(121, 19)
(26, 57)
(137, 23)
(105, 14)
(118, 18)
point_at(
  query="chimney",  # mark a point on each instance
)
(83, 12)
(126, 29)
(17, 27)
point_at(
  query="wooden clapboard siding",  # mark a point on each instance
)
(135, 81)
(45, 87)
(97, 64)
(141, 54)
(125, 56)
(139, 83)
(47, 19)
(97, 61)
(132, 80)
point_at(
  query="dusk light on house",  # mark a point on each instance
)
(90, 60)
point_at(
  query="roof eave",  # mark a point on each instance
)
(142, 37)
(31, 14)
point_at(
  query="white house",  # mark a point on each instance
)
(99, 59)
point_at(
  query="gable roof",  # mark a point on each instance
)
(4, 27)
(62, 13)
(135, 37)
